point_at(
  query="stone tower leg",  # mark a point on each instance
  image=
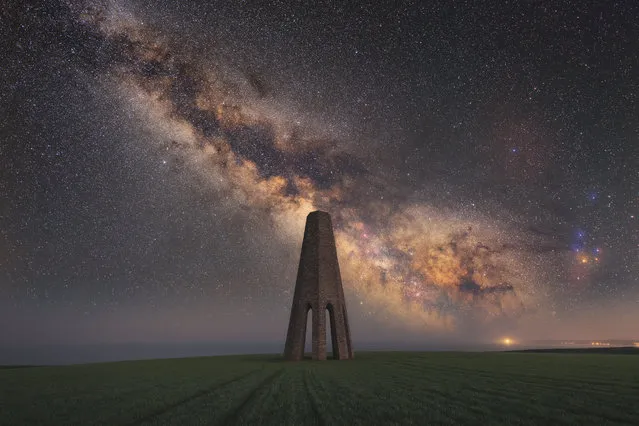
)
(318, 288)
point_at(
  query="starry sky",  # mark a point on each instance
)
(480, 161)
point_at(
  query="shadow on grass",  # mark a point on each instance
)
(278, 358)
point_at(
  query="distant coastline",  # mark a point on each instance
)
(92, 353)
(619, 350)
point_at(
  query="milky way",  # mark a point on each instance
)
(437, 238)
(421, 264)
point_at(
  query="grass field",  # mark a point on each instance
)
(375, 388)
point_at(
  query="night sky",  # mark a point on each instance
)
(158, 159)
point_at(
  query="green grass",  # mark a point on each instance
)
(375, 388)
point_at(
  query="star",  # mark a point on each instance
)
(158, 163)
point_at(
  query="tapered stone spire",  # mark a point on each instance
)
(318, 288)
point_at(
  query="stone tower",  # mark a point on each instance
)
(318, 288)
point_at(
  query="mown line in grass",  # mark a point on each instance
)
(489, 382)
(488, 395)
(151, 397)
(515, 398)
(478, 372)
(233, 416)
(320, 395)
(366, 387)
(510, 394)
(554, 368)
(445, 401)
(539, 363)
(544, 409)
(313, 399)
(331, 401)
(214, 405)
(161, 411)
(541, 381)
(515, 361)
(376, 391)
(435, 400)
(284, 401)
(261, 403)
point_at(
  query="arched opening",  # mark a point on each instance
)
(308, 333)
(331, 341)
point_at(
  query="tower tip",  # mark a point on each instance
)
(318, 213)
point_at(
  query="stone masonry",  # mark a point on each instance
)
(318, 287)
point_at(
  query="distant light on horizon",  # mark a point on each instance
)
(167, 203)
(507, 341)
